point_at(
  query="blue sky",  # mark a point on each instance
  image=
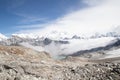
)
(72, 16)
(16, 14)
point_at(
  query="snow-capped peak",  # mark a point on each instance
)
(56, 34)
(2, 36)
(26, 36)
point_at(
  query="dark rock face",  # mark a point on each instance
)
(47, 41)
(76, 37)
(62, 42)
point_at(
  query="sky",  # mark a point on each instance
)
(73, 16)
(15, 15)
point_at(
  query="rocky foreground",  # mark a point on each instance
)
(19, 63)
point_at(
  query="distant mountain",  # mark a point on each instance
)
(62, 43)
(2, 37)
(60, 37)
(59, 47)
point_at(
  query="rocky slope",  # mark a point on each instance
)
(20, 63)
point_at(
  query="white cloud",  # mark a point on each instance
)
(100, 16)
(93, 2)
(29, 19)
(32, 20)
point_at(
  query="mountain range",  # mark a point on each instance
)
(63, 43)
